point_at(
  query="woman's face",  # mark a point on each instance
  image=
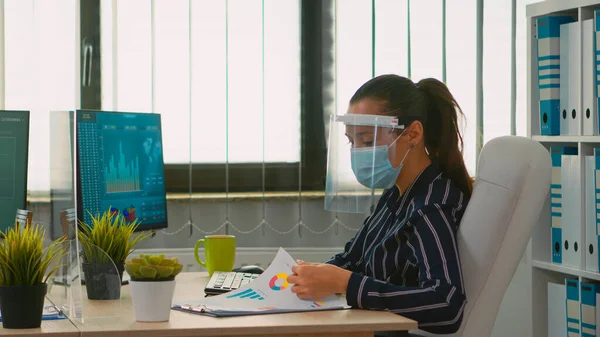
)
(368, 136)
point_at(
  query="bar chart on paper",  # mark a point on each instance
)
(249, 294)
(268, 293)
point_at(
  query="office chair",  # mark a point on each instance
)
(511, 189)
(23, 218)
(68, 220)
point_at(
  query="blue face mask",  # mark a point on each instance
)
(372, 166)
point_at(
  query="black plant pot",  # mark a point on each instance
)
(102, 281)
(22, 306)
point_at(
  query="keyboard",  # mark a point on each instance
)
(222, 282)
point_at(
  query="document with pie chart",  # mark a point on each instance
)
(268, 293)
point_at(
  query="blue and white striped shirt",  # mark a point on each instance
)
(405, 258)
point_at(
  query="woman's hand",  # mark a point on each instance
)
(302, 262)
(316, 280)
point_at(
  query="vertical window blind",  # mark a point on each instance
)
(40, 74)
(229, 69)
(226, 75)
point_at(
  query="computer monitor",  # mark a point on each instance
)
(14, 148)
(120, 167)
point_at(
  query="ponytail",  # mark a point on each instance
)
(443, 139)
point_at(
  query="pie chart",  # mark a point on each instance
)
(273, 284)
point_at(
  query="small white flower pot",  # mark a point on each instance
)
(152, 300)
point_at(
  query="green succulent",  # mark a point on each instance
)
(153, 267)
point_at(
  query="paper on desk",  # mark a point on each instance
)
(268, 293)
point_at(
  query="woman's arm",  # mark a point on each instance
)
(438, 302)
(349, 259)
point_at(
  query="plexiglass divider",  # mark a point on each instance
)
(87, 283)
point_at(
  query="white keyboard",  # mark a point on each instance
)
(222, 282)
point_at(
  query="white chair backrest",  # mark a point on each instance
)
(511, 188)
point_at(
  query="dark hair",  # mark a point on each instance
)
(432, 102)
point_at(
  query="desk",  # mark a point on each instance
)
(335, 323)
(54, 328)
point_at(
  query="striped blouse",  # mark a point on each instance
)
(405, 258)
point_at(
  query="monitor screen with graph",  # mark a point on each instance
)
(120, 167)
(14, 149)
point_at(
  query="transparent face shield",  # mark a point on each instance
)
(361, 161)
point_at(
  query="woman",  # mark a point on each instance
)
(405, 258)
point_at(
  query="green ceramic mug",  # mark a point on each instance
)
(219, 251)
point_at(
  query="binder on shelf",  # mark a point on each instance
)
(591, 236)
(571, 211)
(597, 66)
(588, 309)
(588, 74)
(557, 326)
(564, 79)
(574, 110)
(548, 55)
(556, 201)
(597, 311)
(572, 308)
(596, 185)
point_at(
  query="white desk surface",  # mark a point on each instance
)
(116, 319)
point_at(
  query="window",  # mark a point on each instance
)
(364, 50)
(354, 45)
(39, 54)
(356, 61)
(496, 69)
(224, 75)
(521, 64)
(263, 112)
(461, 74)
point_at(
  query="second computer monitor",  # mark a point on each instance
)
(14, 149)
(120, 167)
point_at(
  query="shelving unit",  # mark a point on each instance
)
(551, 267)
(551, 140)
(543, 270)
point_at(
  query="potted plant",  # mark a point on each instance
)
(24, 264)
(152, 286)
(106, 243)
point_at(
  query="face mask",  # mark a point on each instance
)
(372, 166)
